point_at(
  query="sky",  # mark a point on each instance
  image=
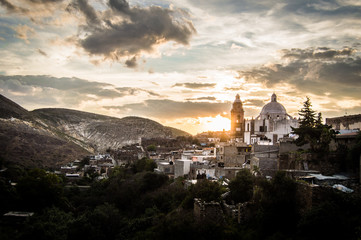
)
(182, 62)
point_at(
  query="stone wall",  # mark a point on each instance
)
(289, 146)
(325, 164)
(208, 211)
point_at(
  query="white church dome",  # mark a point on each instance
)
(273, 107)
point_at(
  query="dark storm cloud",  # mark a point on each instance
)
(195, 85)
(119, 5)
(124, 31)
(88, 11)
(318, 53)
(172, 109)
(209, 98)
(118, 32)
(67, 90)
(320, 71)
(131, 63)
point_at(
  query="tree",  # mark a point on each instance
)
(206, 190)
(324, 134)
(278, 206)
(40, 189)
(353, 155)
(241, 188)
(144, 164)
(311, 129)
(52, 223)
(151, 148)
(307, 114)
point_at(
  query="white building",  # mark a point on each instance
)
(181, 167)
(272, 124)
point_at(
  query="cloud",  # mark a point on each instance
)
(320, 71)
(42, 52)
(209, 98)
(253, 102)
(238, 88)
(326, 9)
(45, 1)
(131, 63)
(195, 85)
(124, 31)
(12, 8)
(318, 53)
(115, 31)
(120, 5)
(36, 10)
(24, 32)
(63, 90)
(169, 109)
(88, 11)
(233, 6)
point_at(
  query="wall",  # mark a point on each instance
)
(267, 156)
(345, 122)
(208, 211)
(181, 167)
(233, 155)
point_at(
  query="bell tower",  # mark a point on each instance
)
(237, 119)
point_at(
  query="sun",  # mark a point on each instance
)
(217, 123)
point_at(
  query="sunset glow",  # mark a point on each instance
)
(96, 56)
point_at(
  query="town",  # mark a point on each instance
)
(263, 145)
(270, 176)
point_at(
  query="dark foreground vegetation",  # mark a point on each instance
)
(138, 204)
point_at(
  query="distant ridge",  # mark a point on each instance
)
(102, 132)
(50, 137)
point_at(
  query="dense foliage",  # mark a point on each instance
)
(134, 203)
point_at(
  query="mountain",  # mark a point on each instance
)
(27, 141)
(10, 109)
(51, 137)
(103, 132)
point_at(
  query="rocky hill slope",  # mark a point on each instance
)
(50, 137)
(27, 141)
(102, 132)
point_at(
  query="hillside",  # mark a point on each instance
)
(51, 137)
(26, 141)
(102, 132)
(10, 109)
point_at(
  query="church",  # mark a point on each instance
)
(272, 124)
